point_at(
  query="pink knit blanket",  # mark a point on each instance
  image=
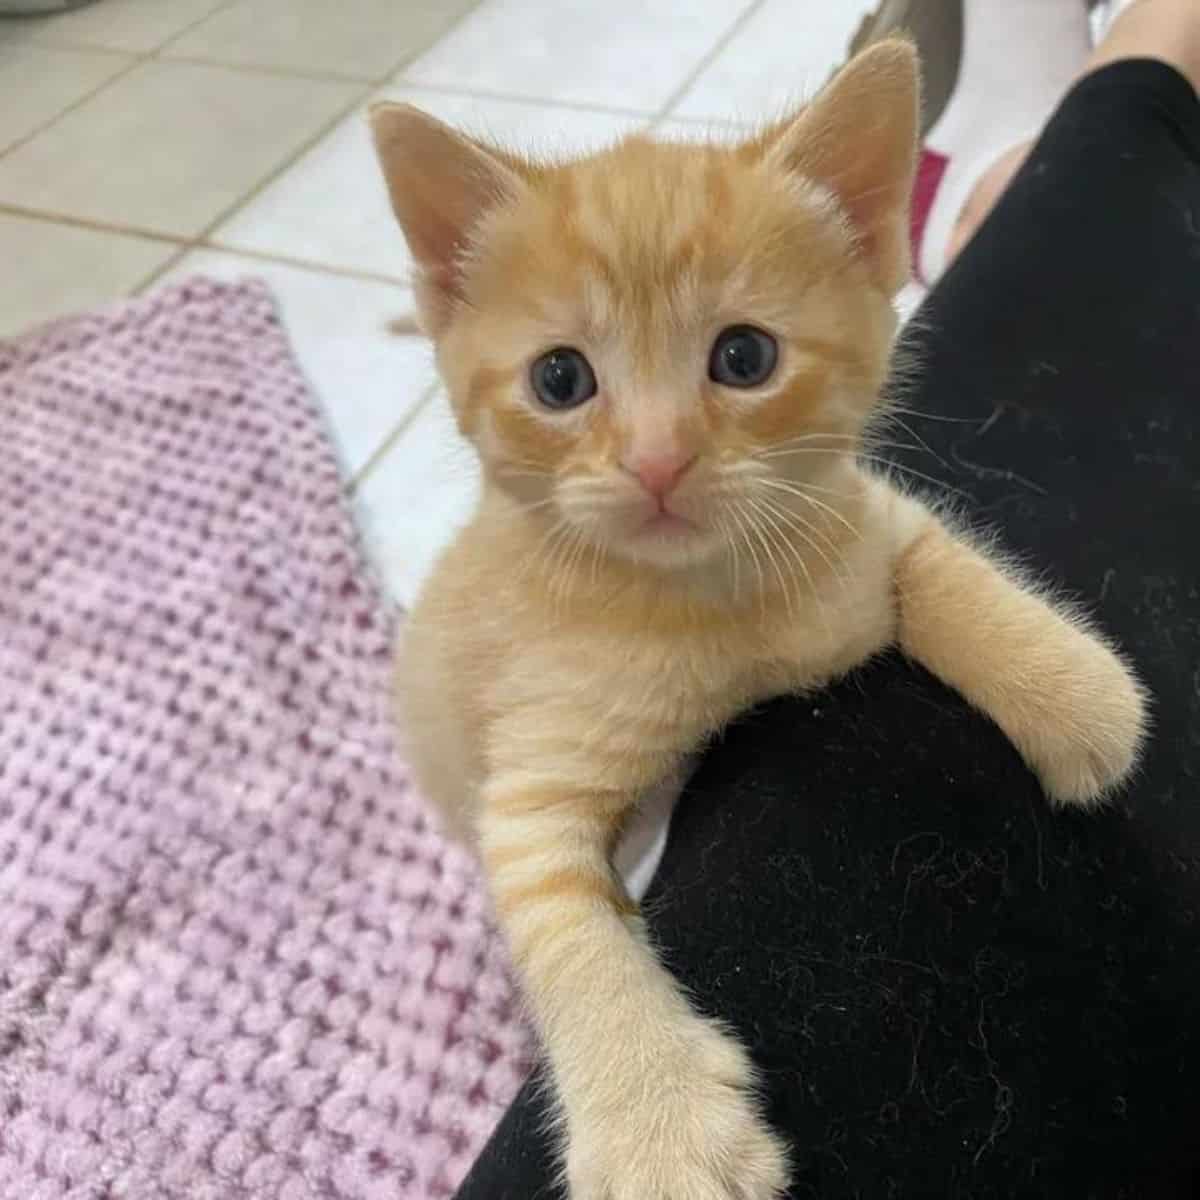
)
(236, 957)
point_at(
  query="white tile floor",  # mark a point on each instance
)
(142, 140)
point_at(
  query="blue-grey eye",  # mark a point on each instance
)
(562, 378)
(742, 357)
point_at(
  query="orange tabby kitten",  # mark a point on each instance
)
(665, 356)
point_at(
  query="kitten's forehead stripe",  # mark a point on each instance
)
(718, 190)
(643, 225)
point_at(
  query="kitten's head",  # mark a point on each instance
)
(661, 344)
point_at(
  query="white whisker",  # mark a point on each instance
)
(778, 539)
(724, 530)
(756, 528)
(797, 489)
(799, 560)
(886, 464)
(744, 534)
(805, 530)
(924, 445)
(890, 407)
(784, 449)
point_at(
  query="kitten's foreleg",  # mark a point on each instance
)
(658, 1102)
(1064, 698)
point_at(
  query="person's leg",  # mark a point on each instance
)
(952, 990)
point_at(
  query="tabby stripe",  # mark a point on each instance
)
(568, 883)
(553, 799)
(543, 850)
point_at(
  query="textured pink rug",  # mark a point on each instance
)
(236, 958)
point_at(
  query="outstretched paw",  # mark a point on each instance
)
(693, 1132)
(1091, 734)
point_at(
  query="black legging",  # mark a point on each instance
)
(951, 989)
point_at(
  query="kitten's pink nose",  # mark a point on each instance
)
(659, 473)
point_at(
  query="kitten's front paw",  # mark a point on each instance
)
(1085, 741)
(691, 1132)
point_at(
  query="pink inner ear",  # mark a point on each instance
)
(441, 184)
(878, 213)
(437, 228)
(858, 138)
(442, 276)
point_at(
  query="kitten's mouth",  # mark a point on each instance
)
(666, 522)
(669, 539)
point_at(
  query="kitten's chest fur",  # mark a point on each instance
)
(626, 671)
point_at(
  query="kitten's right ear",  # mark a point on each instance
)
(441, 185)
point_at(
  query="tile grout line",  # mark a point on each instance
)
(439, 89)
(46, 41)
(186, 244)
(722, 43)
(136, 59)
(134, 62)
(68, 46)
(154, 51)
(263, 256)
(201, 60)
(304, 264)
(171, 261)
(402, 426)
(51, 217)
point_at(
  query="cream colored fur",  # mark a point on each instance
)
(558, 664)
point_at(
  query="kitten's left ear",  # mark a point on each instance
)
(858, 138)
(441, 184)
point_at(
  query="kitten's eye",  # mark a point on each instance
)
(742, 357)
(562, 378)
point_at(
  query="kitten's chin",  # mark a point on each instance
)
(670, 541)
